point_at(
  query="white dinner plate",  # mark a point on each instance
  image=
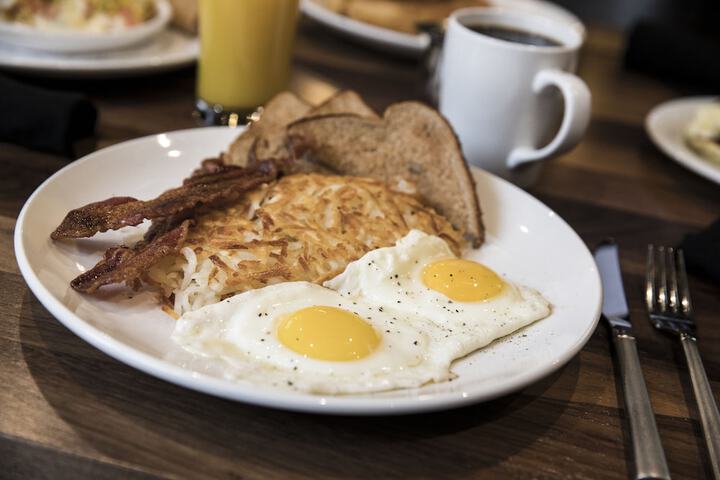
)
(527, 242)
(666, 126)
(168, 50)
(73, 41)
(413, 45)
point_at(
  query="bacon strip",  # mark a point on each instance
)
(124, 264)
(209, 165)
(211, 188)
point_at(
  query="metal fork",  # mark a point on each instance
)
(668, 301)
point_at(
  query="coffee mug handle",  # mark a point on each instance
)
(576, 117)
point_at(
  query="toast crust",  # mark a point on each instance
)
(344, 101)
(265, 138)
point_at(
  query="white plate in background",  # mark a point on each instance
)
(413, 45)
(76, 41)
(666, 124)
(527, 242)
(168, 50)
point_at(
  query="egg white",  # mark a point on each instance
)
(242, 332)
(392, 276)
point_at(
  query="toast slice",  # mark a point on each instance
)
(412, 142)
(346, 101)
(266, 136)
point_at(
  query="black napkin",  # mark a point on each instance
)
(674, 53)
(702, 252)
(42, 119)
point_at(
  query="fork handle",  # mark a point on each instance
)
(650, 460)
(709, 416)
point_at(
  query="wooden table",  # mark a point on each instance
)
(69, 411)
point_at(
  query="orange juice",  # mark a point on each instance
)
(245, 50)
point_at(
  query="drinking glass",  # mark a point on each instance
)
(245, 52)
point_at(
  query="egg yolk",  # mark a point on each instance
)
(462, 280)
(328, 333)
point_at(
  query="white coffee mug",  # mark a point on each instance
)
(512, 103)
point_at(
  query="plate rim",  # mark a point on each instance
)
(407, 44)
(319, 404)
(133, 64)
(680, 153)
(412, 44)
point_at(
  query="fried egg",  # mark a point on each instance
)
(396, 318)
(421, 277)
(310, 338)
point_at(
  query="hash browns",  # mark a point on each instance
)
(302, 227)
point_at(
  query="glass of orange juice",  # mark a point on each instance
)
(245, 52)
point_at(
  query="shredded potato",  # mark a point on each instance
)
(302, 227)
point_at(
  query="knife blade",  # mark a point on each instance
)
(648, 452)
(608, 263)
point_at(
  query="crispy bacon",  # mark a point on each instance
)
(84, 219)
(209, 165)
(225, 185)
(160, 226)
(124, 264)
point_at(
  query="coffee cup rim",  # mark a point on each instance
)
(544, 21)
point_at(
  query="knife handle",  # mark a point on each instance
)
(650, 460)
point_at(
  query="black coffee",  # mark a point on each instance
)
(514, 35)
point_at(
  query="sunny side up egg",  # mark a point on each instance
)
(313, 339)
(396, 318)
(421, 277)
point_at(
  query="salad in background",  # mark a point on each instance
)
(79, 15)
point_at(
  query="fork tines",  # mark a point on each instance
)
(666, 288)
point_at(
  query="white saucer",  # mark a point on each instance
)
(168, 50)
(666, 124)
(526, 241)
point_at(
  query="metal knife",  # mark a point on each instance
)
(648, 452)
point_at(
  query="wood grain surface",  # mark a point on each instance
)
(69, 411)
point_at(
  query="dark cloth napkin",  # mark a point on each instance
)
(674, 53)
(702, 252)
(42, 119)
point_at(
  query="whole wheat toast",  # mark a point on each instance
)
(267, 133)
(266, 137)
(411, 142)
(345, 101)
